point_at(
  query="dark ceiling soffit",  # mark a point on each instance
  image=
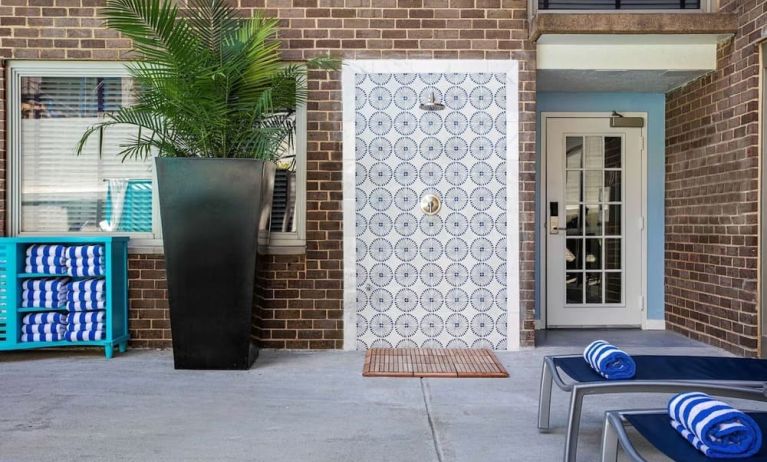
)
(633, 23)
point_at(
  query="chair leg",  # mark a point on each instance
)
(609, 443)
(544, 399)
(573, 424)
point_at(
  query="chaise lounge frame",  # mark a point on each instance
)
(550, 375)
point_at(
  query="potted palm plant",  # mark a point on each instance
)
(215, 106)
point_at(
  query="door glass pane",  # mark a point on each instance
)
(574, 154)
(573, 188)
(573, 254)
(593, 254)
(593, 215)
(612, 220)
(593, 189)
(613, 158)
(574, 221)
(594, 152)
(613, 287)
(612, 254)
(612, 191)
(593, 287)
(574, 292)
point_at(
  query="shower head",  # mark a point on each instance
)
(432, 104)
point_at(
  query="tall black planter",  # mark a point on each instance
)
(212, 213)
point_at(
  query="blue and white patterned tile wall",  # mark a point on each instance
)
(431, 281)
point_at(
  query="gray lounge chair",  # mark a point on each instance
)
(655, 374)
(654, 426)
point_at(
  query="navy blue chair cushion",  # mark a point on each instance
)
(675, 368)
(658, 431)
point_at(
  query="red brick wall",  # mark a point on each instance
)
(712, 169)
(304, 308)
(299, 297)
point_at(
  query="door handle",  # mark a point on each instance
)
(553, 217)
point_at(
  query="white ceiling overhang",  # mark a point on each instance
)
(625, 62)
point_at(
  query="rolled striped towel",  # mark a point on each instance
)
(85, 271)
(85, 317)
(80, 336)
(609, 361)
(46, 250)
(52, 337)
(45, 269)
(713, 427)
(47, 284)
(44, 318)
(85, 306)
(85, 296)
(87, 285)
(80, 251)
(43, 328)
(86, 327)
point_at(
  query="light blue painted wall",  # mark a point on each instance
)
(654, 105)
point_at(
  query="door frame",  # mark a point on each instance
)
(392, 66)
(542, 231)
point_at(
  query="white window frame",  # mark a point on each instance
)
(18, 69)
(294, 242)
(280, 242)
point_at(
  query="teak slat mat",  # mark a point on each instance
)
(430, 362)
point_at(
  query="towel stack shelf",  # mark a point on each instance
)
(12, 276)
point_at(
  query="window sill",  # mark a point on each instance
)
(154, 247)
(145, 246)
(299, 248)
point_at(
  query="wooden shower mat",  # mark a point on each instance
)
(431, 362)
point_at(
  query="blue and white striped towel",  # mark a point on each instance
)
(44, 318)
(85, 306)
(45, 269)
(47, 284)
(45, 261)
(609, 361)
(87, 285)
(86, 261)
(32, 302)
(46, 250)
(85, 271)
(85, 317)
(79, 336)
(81, 251)
(44, 295)
(43, 328)
(713, 427)
(87, 327)
(85, 296)
(52, 337)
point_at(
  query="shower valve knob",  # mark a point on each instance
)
(430, 204)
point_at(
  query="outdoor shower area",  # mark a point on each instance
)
(431, 204)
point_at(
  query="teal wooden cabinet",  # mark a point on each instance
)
(12, 276)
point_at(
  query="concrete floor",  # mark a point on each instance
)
(294, 406)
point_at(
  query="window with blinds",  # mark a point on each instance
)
(94, 192)
(54, 191)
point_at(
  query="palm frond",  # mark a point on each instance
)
(213, 21)
(210, 83)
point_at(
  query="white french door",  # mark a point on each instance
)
(594, 223)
